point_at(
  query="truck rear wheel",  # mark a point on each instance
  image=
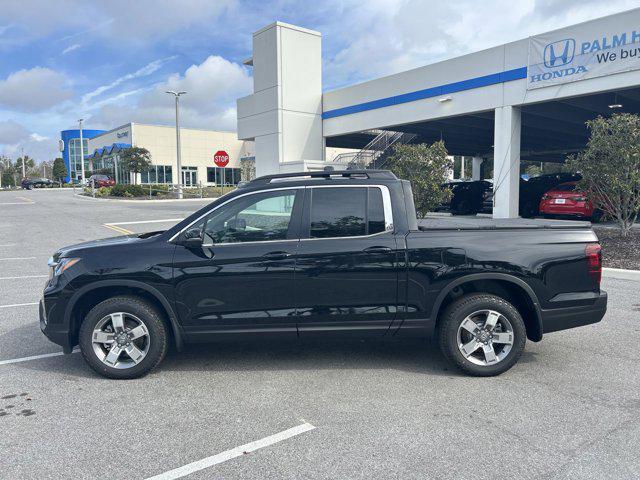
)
(481, 334)
(123, 337)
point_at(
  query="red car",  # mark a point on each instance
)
(101, 181)
(566, 200)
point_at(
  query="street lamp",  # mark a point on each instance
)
(179, 161)
(24, 168)
(81, 149)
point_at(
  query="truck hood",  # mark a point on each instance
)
(72, 250)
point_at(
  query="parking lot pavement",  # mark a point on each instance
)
(569, 409)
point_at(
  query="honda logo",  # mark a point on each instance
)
(559, 53)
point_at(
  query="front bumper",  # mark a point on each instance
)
(57, 333)
(564, 318)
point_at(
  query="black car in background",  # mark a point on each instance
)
(469, 198)
(532, 190)
(29, 183)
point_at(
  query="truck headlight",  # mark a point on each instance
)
(58, 268)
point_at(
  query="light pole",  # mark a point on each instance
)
(179, 160)
(24, 169)
(81, 150)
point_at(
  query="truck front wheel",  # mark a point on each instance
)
(481, 334)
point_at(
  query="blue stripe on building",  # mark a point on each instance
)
(477, 82)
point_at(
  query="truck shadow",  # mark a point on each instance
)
(419, 356)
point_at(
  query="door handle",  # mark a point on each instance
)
(276, 255)
(377, 250)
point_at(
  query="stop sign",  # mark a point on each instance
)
(221, 158)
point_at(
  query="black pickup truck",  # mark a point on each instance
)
(318, 254)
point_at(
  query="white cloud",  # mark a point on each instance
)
(389, 36)
(34, 90)
(212, 88)
(14, 137)
(71, 48)
(141, 72)
(121, 21)
(12, 132)
(38, 138)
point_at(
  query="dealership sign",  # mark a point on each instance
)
(221, 158)
(592, 49)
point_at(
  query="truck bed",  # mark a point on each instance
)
(441, 222)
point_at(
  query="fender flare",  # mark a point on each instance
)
(173, 319)
(491, 276)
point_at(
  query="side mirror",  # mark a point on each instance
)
(193, 242)
(192, 238)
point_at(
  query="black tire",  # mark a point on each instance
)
(457, 312)
(528, 210)
(145, 313)
(597, 216)
(460, 208)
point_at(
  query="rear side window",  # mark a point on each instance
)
(346, 212)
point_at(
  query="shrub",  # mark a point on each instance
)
(426, 166)
(103, 192)
(610, 167)
(122, 190)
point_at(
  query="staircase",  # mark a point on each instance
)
(375, 153)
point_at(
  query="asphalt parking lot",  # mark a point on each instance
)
(569, 409)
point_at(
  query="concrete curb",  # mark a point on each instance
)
(142, 202)
(621, 273)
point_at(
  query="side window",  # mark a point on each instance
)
(255, 218)
(346, 212)
(375, 212)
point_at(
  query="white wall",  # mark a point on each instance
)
(283, 115)
(197, 146)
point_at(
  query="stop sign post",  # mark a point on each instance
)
(221, 159)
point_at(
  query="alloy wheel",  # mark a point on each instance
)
(120, 340)
(485, 337)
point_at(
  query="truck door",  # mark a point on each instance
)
(242, 278)
(347, 261)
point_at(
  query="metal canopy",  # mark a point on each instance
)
(550, 130)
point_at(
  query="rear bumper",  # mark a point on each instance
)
(573, 210)
(564, 318)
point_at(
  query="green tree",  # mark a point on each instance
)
(610, 167)
(59, 170)
(426, 167)
(533, 170)
(135, 160)
(7, 171)
(29, 165)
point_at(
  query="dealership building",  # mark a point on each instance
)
(524, 100)
(197, 146)
(102, 151)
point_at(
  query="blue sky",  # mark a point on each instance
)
(110, 61)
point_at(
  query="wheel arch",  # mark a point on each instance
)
(90, 295)
(514, 289)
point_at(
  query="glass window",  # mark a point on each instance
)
(255, 218)
(211, 174)
(338, 212)
(167, 174)
(375, 212)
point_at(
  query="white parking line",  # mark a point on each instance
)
(24, 276)
(33, 357)
(18, 258)
(18, 305)
(147, 221)
(8, 245)
(233, 453)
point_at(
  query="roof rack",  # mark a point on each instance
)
(326, 173)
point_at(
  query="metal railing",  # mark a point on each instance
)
(374, 154)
